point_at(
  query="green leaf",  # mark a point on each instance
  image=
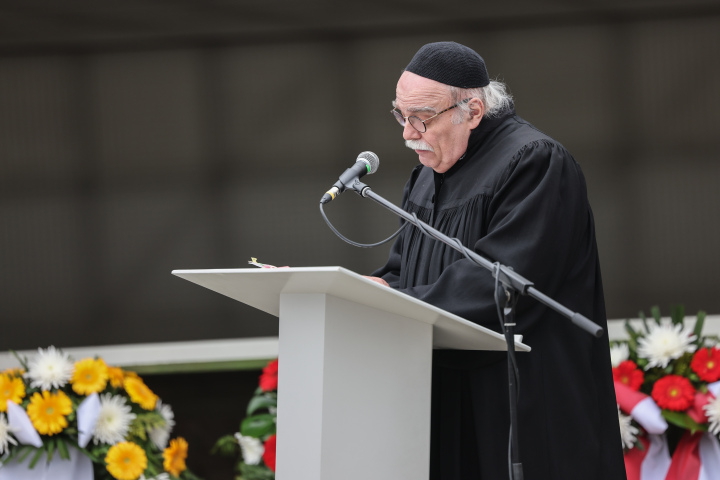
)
(256, 472)
(630, 330)
(644, 321)
(699, 323)
(36, 458)
(63, 450)
(50, 449)
(683, 421)
(655, 312)
(639, 445)
(263, 401)
(677, 314)
(226, 445)
(22, 360)
(25, 454)
(258, 425)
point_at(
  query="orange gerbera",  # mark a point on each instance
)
(48, 411)
(628, 373)
(706, 363)
(14, 372)
(116, 376)
(174, 456)
(11, 389)
(140, 393)
(90, 376)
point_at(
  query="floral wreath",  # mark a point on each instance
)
(667, 385)
(256, 439)
(52, 407)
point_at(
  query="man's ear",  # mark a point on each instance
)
(477, 110)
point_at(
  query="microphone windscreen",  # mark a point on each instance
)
(372, 159)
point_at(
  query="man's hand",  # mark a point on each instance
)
(377, 280)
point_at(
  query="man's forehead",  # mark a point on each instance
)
(415, 93)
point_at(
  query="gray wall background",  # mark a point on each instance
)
(121, 161)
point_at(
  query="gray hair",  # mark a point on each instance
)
(494, 97)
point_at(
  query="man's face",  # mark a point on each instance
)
(444, 142)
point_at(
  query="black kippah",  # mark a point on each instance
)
(450, 63)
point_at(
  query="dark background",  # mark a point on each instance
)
(138, 137)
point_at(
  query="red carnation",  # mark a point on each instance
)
(706, 363)
(628, 373)
(268, 379)
(673, 392)
(269, 454)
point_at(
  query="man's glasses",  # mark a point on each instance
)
(416, 122)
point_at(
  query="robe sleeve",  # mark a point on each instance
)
(391, 271)
(539, 223)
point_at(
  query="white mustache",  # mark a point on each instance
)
(418, 145)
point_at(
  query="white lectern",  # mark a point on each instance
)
(355, 368)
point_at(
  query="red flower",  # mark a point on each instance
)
(706, 363)
(269, 454)
(673, 392)
(628, 373)
(268, 379)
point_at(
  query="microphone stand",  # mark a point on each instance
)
(508, 284)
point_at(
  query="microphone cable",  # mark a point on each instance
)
(356, 244)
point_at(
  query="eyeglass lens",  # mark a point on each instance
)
(415, 122)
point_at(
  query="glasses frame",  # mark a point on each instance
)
(403, 120)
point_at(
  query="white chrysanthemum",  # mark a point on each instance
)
(628, 433)
(712, 410)
(160, 435)
(114, 420)
(252, 449)
(5, 438)
(160, 476)
(50, 369)
(665, 342)
(619, 353)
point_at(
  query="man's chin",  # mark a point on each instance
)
(426, 157)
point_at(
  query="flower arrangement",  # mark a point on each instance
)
(257, 436)
(54, 407)
(667, 384)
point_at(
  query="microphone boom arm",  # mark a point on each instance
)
(506, 275)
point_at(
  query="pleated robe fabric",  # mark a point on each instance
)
(517, 197)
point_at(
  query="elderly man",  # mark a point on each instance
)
(514, 195)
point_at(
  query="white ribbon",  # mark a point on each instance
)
(709, 457)
(649, 415)
(88, 413)
(656, 463)
(23, 429)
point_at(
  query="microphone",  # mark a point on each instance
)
(367, 162)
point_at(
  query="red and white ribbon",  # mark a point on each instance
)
(651, 463)
(642, 408)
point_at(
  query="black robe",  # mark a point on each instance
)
(517, 197)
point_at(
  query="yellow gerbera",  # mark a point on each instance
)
(48, 411)
(90, 376)
(12, 389)
(140, 393)
(174, 456)
(116, 376)
(126, 461)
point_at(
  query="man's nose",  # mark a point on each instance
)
(409, 132)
